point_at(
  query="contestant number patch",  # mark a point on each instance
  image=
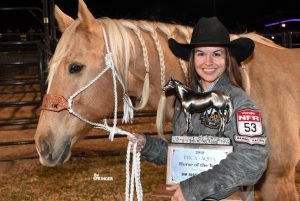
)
(249, 122)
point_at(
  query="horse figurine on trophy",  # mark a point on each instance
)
(192, 102)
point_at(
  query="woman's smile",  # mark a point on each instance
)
(209, 70)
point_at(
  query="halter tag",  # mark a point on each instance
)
(55, 103)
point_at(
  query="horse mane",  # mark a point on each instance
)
(257, 38)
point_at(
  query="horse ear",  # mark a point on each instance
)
(85, 16)
(62, 19)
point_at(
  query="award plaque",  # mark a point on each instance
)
(187, 160)
(191, 155)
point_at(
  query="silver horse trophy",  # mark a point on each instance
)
(192, 102)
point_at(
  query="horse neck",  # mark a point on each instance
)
(181, 91)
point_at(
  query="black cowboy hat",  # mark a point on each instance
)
(211, 32)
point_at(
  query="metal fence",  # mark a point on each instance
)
(23, 59)
(22, 80)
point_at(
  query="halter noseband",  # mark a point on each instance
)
(55, 103)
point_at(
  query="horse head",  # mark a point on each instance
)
(71, 68)
(171, 85)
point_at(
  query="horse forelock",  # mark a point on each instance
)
(62, 49)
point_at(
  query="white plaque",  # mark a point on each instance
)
(186, 160)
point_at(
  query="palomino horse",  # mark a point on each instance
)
(140, 50)
(192, 102)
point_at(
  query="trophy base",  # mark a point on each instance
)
(161, 192)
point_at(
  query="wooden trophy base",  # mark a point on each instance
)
(161, 192)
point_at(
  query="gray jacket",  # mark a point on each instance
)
(243, 167)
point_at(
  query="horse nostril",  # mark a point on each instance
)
(46, 148)
(65, 153)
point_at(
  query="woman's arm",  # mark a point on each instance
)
(155, 150)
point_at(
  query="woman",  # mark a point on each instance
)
(214, 65)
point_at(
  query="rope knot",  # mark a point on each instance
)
(70, 102)
(109, 60)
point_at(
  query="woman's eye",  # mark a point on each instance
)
(200, 54)
(218, 54)
(75, 67)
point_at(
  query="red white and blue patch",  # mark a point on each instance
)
(249, 125)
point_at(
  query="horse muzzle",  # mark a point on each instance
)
(51, 157)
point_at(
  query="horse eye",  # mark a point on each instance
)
(75, 67)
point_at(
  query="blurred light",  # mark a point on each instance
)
(273, 37)
(283, 25)
(282, 22)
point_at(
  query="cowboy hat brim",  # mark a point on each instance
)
(240, 48)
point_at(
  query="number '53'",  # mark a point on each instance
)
(250, 127)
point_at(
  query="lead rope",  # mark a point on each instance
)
(134, 178)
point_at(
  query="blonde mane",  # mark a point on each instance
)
(257, 38)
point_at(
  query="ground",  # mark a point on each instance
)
(75, 180)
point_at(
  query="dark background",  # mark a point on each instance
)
(238, 15)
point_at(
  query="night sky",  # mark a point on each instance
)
(237, 15)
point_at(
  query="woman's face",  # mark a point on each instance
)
(209, 63)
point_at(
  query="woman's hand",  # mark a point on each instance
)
(140, 139)
(178, 196)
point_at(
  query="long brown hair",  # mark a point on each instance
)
(232, 70)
